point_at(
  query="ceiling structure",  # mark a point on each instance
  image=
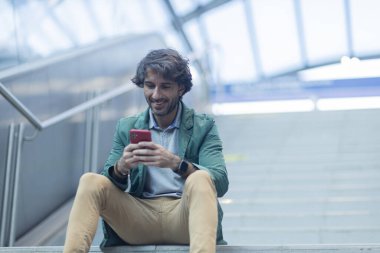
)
(234, 41)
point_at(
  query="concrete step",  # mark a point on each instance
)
(354, 248)
(303, 191)
(310, 220)
(370, 204)
(307, 186)
(301, 235)
(286, 175)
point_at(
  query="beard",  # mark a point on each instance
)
(163, 106)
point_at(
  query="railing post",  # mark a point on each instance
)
(91, 138)
(87, 142)
(95, 138)
(12, 233)
(4, 217)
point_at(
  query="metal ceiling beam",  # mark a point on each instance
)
(311, 66)
(89, 7)
(348, 22)
(300, 32)
(253, 40)
(66, 31)
(202, 9)
(178, 25)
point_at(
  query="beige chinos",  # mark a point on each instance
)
(189, 220)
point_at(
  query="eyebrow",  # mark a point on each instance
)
(169, 82)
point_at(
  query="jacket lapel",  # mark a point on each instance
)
(142, 121)
(185, 130)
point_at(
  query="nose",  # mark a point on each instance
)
(156, 93)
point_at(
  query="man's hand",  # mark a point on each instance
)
(127, 160)
(151, 154)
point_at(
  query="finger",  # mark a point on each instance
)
(131, 147)
(153, 164)
(127, 156)
(130, 159)
(132, 162)
(147, 145)
(145, 158)
(149, 159)
(144, 152)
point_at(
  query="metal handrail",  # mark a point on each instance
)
(74, 53)
(92, 105)
(87, 105)
(20, 107)
(28, 67)
(16, 182)
(7, 183)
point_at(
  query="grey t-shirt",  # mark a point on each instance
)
(163, 181)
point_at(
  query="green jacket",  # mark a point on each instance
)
(199, 143)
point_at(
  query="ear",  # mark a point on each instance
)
(181, 89)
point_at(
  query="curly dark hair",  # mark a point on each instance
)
(169, 64)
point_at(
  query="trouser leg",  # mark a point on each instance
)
(192, 219)
(195, 219)
(134, 220)
(203, 215)
(83, 218)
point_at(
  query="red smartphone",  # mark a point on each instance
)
(138, 135)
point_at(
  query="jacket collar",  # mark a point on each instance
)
(175, 124)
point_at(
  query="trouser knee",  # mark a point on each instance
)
(91, 182)
(200, 181)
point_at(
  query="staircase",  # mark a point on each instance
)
(299, 182)
(302, 178)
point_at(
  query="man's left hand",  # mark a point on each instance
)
(152, 154)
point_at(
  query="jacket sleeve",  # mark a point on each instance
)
(211, 159)
(115, 154)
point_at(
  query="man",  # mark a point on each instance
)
(174, 180)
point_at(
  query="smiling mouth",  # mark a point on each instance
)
(158, 104)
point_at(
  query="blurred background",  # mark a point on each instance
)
(293, 85)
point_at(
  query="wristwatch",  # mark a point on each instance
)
(182, 168)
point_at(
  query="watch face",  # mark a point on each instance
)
(183, 167)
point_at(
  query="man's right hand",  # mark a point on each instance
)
(127, 160)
